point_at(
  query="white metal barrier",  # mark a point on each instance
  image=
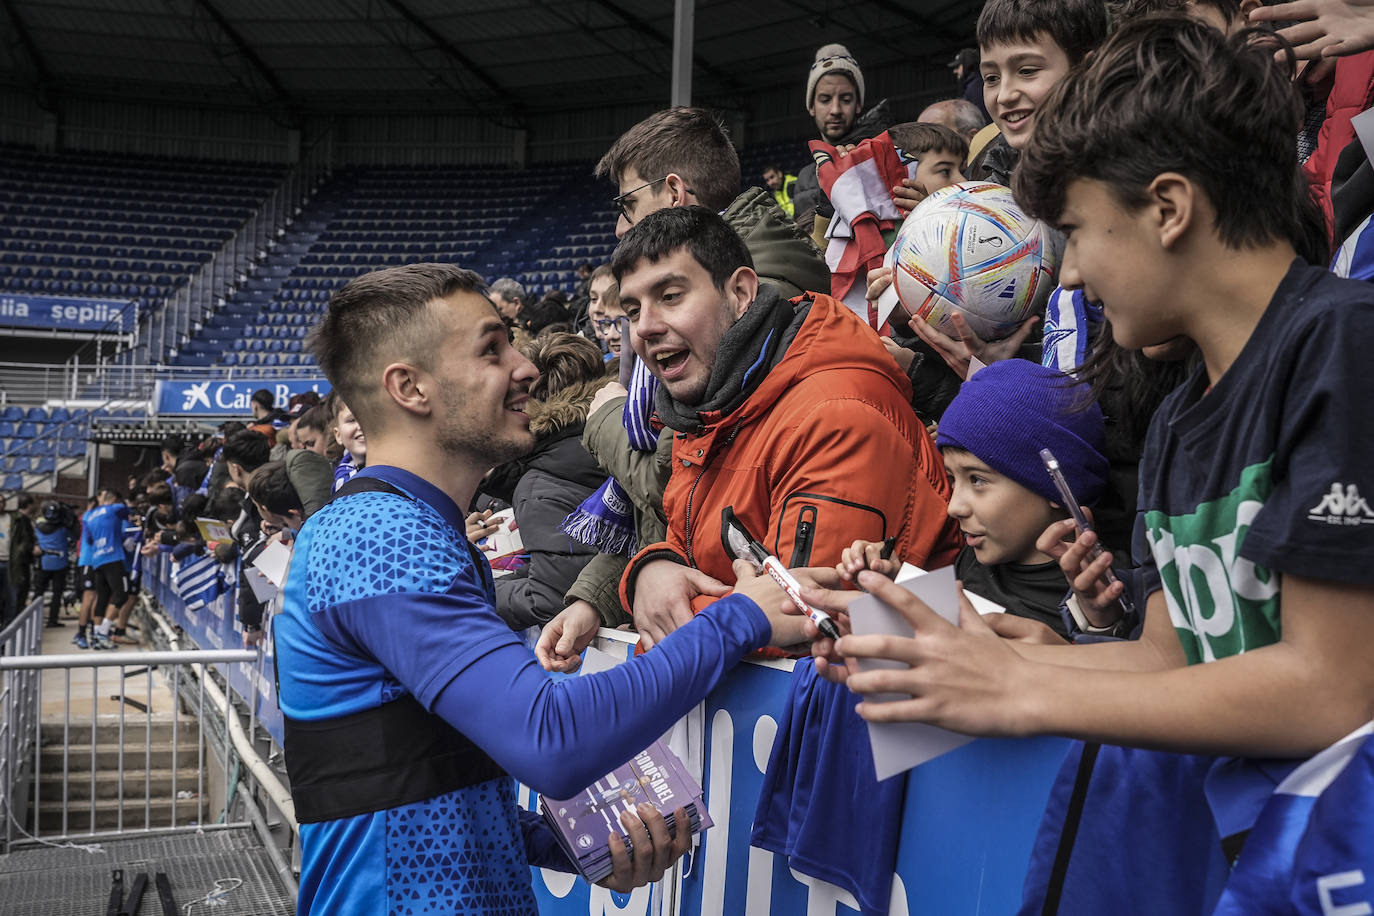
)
(118, 741)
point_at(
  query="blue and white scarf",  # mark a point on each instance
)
(605, 520)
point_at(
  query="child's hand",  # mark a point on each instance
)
(958, 352)
(908, 194)
(879, 279)
(1022, 629)
(900, 354)
(863, 555)
(479, 525)
(1099, 601)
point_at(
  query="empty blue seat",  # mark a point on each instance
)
(26, 431)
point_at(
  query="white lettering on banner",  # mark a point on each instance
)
(13, 308)
(718, 791)
(759, 892)
(601, 903)
(1328, 883)
(234, 400)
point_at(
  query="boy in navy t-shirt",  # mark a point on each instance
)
(1259, 626)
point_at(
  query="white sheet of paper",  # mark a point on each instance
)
(1364, 129)
(899, 746)
(273, 561)
(974, 364)
(594, 661)
(263, 589)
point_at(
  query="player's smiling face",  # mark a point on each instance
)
(483, 383)
(1016, 79)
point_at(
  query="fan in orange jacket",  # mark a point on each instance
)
(791, 412)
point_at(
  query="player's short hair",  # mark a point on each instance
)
(380, 317)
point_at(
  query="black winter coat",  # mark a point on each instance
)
(544, 487)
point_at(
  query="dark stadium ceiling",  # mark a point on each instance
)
(504, 59)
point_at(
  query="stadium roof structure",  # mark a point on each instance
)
(501, 59)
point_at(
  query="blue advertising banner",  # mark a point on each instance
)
(97, 316)
(224, 397)
(216, 626)
(968, 823)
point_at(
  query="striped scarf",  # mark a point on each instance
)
(605, 520)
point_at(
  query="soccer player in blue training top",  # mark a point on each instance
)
(410, 706)
(1168, 161)
(103, 532)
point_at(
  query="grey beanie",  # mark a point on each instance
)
(833, 59)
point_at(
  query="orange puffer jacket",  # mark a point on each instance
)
(827, 450)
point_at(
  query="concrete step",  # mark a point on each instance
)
(107, 756)
(107, 814)
(136, 728)
(139, 783)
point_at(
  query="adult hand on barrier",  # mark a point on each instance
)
(655, 848)
(252, 638)
(663, 598)
(564, 637)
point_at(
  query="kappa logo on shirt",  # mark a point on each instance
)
(1342, 505)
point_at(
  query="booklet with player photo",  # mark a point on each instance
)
(585, 822)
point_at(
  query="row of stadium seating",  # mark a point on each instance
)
(117, 227)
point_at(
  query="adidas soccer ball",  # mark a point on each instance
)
(970, 248)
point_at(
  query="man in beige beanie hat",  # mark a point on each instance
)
(835, 101)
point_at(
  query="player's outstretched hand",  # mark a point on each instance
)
(958, 352)
(656, 848)
(1099, 601)
(563, 638)
(1325, 28)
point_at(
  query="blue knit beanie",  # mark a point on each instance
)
(1012, 409)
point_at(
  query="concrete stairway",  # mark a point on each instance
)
(137, 779)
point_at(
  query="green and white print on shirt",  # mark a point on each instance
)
(1221, 604)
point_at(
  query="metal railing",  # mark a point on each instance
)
(20, 706)
(128, 741)
(27, 383)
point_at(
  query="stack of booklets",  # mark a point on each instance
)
(584, 823)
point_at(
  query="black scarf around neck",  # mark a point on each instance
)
(750, 348)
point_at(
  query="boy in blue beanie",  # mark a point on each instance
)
(1003, 499)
